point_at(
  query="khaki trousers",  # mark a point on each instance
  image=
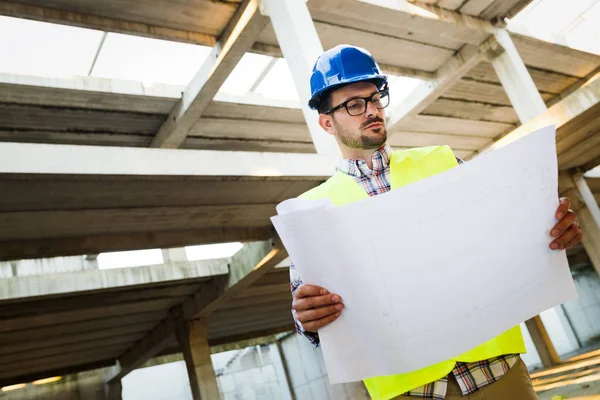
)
(514, 385)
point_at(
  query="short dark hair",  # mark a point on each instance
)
(325, 102)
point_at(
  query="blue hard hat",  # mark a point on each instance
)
(342, 65)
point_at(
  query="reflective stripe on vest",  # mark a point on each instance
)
(408, 166)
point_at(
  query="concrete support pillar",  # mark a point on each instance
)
(114, 390)
(174, 254)
(516, 81)
(192, 336)
(286, 370)
(542, 341)
(301, 46)
(528, 103)
(589, 218)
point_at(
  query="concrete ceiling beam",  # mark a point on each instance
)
(237, 38)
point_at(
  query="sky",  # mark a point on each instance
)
(51, 50)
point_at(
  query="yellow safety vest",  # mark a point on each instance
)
(408, 166)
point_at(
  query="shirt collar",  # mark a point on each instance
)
(358, 167)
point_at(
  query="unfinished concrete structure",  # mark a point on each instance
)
(216, 168)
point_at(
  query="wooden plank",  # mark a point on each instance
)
(238, 129)
(236, 111)
(26, 225)
(92, 18)
(243, 327)
(69, 348)
(584, 127)
(128, 334)
(59, 192)
(448, 4)
(238, 315)
(98, 93)
(545, 81)
(56, 371)
(401, 22)
(86, 139)
(264, 290)
(482, 92)
(43, 333)
(276, 276)
(65, 317)
(552, 57)
(95, 244)
(580, 154)
(61, 298)
(475, 7)
(217, 341)
(452, 126)
(388, 50)
(464, 109)
(19, 116)
(255, 301)
(501, 9)
(64, 360)
(418, 139)
(248, 145)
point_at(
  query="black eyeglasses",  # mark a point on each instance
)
(358, 106)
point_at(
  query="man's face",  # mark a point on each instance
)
(364, 131)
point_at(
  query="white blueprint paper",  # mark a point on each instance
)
(433, 269)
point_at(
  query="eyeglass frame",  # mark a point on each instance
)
(369, 99)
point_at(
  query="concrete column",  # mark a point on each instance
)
(174, 254)
(518, 84)
(542, 341)
(192, 336)
(301, 46)
(114, 390)
(286, 370)
(528, 103)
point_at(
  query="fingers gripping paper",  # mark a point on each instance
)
(431, 270)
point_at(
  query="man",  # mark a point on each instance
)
(351, 95)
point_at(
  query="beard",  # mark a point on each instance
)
(363, 140)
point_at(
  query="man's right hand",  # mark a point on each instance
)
(316, 307)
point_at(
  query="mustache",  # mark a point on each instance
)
(371, 121)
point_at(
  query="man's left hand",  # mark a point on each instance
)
(566, 232)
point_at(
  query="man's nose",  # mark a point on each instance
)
(371, 110)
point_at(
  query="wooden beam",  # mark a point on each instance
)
(150, 345)
(559, 114)
(145, 320)
(193, 338)
(518, 84)
(219, 341)
(542, 341)
(445, 15)
(246, 267)
(452, 71)
(236, 40)
(44, 14)
(301, 47)
(53, 350)
(589, 218)
(19, 377)
(82, 314)
(121, 334)
(70, 246)
(70, 283)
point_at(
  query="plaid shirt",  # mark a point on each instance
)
(470, 376)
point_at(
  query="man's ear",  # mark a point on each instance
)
(326, 122)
